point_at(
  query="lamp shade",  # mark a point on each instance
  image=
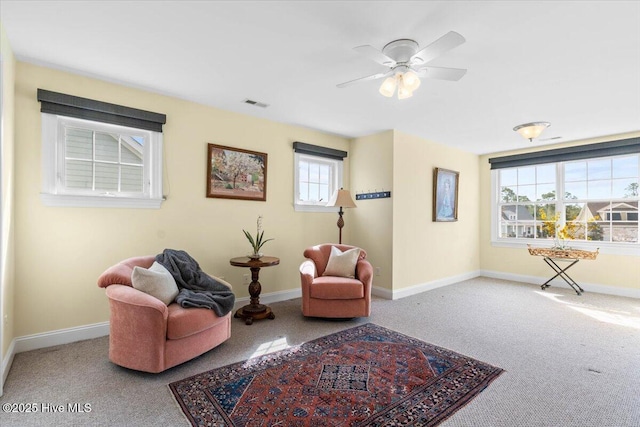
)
(342, 198)
(531, 130)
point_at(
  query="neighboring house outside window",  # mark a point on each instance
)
(599, 200)
(618, 221)
(318, 174)
(97, 163)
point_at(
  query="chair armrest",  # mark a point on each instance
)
(133, 297)
(364, 273)
(308, 271)
(137, 329)
(120, 274)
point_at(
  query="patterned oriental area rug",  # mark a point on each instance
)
(363, 376)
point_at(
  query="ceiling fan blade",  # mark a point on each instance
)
(438, 47)
(375, 54)
(441, 73)
(364, 79)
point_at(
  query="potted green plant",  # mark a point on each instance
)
(259, 240)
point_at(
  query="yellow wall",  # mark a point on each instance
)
(7, 279)
(426, 251)
(398, 233)
(620, 271)
(61, 251)
(371, 223)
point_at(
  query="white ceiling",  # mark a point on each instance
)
(575, 64)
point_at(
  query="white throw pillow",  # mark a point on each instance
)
(342, 264)
(156, 281)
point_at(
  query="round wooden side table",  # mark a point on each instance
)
(254, 310)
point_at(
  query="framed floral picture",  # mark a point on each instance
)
(234, 173)
(445, 195)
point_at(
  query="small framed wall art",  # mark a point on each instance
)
(445, 195)
(234, 173)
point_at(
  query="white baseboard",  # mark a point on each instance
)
(61, 336)
(271, 297)
(381, 292)
(438, 283)
(7, 361)
(588, 287)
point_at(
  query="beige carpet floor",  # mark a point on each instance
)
(569, 360)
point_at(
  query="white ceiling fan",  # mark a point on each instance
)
(407, 64)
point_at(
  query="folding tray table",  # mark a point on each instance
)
(572, 256)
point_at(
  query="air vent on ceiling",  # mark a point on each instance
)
(256, 103)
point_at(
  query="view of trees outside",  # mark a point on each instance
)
(600, 200)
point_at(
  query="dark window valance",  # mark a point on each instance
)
(579, 152)
(316, 150)
(89, 109)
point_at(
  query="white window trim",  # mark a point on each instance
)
(496, 241)
(311, 207)
(52, 195)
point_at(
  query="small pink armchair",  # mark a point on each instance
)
(145, 334)
(330, 296)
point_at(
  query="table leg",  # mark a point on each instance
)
(255, 288)
(254, 310)
(562, 272)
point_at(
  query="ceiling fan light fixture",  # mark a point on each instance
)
(403, 91)
(531, 130)
(411, 80)
(388, 87)
(405, 59)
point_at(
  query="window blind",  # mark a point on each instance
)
(316, 150)
(88, 109)
(580, 152)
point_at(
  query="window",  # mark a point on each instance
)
(318, 174)
(98, 163)
(592, 200)
(317, 179)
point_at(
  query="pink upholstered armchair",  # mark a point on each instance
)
(331, 296)
(146, 334)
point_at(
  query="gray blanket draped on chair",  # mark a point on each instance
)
(197, 288)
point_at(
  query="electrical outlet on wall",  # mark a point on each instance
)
(245, 279)
(377, 271)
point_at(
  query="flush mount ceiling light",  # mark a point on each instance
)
(531, 130)
(407, 64)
